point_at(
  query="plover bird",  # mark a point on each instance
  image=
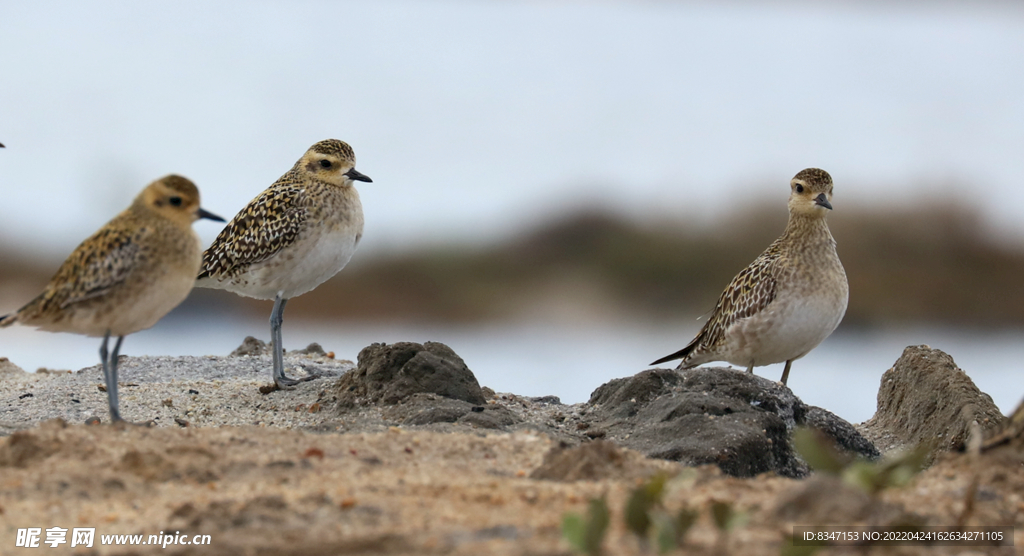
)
(127, 276)
(292, 237)
(788, 300)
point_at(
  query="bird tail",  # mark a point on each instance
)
(8, 320)
(681, 354)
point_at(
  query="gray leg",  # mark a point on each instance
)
(115, 404)
(785, 372)
(110, 375)
(276, 320)
(750, 369)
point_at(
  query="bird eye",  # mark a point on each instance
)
(175, 201)
(325, 163)
(799, 188)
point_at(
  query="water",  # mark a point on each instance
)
(841, 375)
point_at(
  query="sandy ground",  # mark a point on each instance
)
(283, 473)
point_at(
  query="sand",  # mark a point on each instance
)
(282, 472)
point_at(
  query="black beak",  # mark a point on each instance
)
(822, 201)
(354, 175)
(203, 213)
(2, 146)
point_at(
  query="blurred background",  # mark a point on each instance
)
(561, 188)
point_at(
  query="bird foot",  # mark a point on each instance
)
(284, 382)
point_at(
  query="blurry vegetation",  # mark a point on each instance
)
(645, 515)
(586, 533)
(652, 523)
(894, 470)
(933, 263)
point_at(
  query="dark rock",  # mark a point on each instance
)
(492, 417)
(425, 410)
(735, 420)
(844, 434)
(252, 347)
(313, 349)
(926, 398)
(389, 374)
(549, 400)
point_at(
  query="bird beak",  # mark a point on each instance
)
(354, 175)
(822, 201)
(203, 213)
(2, 146)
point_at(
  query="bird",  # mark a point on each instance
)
(292, 237)
(126, 276)
(788, 300)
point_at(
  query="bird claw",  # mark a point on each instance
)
(285, 382)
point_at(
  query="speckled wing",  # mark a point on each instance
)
(265, 226)
(101, 262)
(748, 294)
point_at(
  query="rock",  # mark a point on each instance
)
(489, 417)
(389, 374)
(738, 421)
(844, 434)
(827, 500)
(312, 349)
(426, 410)
(10, 370)
(593, 461)
(252, 347)
(925, 397)
(547, 400)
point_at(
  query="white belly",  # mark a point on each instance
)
(295, 270)
(784, 332)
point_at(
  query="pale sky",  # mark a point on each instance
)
(478, 118)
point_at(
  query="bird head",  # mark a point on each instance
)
(332, 161)
(175, 198)
(811, 193)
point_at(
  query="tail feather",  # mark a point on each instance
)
(681, 354)
(8, 320)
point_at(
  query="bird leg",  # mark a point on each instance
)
(750, 369)
(276, 320)
(110, 375)
(785, 372)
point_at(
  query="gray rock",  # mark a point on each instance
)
(252, 347)
(736, 420)
(926, 398)
(842, 432)
(426, 410)
(312, 349)
(10, 370)
(489, 417)
(389, 374)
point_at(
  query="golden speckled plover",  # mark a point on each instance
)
(788, 300)
(126, 276)
(292, 237)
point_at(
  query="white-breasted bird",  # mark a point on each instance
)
(126, 276)
(788, 300)
(291, 238)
